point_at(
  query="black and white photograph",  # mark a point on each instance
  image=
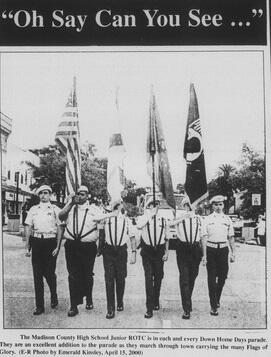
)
(134, 189)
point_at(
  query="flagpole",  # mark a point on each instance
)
(152, 153)
(75, 164)
(68, 139)
(76, 205)
(154, 199)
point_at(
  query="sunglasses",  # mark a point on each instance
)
(44, 193)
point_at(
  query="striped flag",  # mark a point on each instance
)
(195, 183)
(68, 139)
(115, 165)
(156, 149)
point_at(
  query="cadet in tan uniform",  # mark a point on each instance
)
(42, 226)
(220, 235)
(154, 251)
(189, 253)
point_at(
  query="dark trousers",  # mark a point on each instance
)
(217, 271)
(115, 272)
(80, 259)
(188, 260)
(154, 272)
(44, 266)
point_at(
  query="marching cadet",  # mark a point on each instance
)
(80, 247)
(154, 251)
(220, 235)
(118, 230)
(190, 247)
(42, 229)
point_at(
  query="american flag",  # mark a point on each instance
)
(68, 139)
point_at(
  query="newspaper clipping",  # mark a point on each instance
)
(135, 146)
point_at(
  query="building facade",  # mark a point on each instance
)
(16, 174)
(19, 178)
(6, 129)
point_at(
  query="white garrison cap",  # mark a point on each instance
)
(82, 188)
(43, 188)
(217, 198)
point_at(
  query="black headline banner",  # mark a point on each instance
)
(132, 22)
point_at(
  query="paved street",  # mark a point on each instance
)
(243, 300)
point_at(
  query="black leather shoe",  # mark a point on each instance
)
(73, 312)
(148, 315)
(38, 311)
(214, 312)
(110, 315)
(89, 306)
(156, 307)
(54, 303)
(120, 307)
(186, 315)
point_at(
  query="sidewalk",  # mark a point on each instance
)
(20, 233)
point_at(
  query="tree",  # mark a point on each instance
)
(223, 184)
(251, 179)
(132, 192)
(51, 170)
(248, 176)
(94, 176)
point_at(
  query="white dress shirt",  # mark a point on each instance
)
(147, 232)
(84, 226)
(118, 230)
(189, 229)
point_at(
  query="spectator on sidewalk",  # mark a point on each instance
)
(261, 236)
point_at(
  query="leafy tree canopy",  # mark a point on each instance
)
(248, 176)
(51, 170)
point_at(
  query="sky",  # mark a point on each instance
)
(229, 88)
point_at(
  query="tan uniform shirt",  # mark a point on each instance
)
(43, 218)
(218, 227)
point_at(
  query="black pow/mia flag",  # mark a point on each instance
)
(195, 183)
